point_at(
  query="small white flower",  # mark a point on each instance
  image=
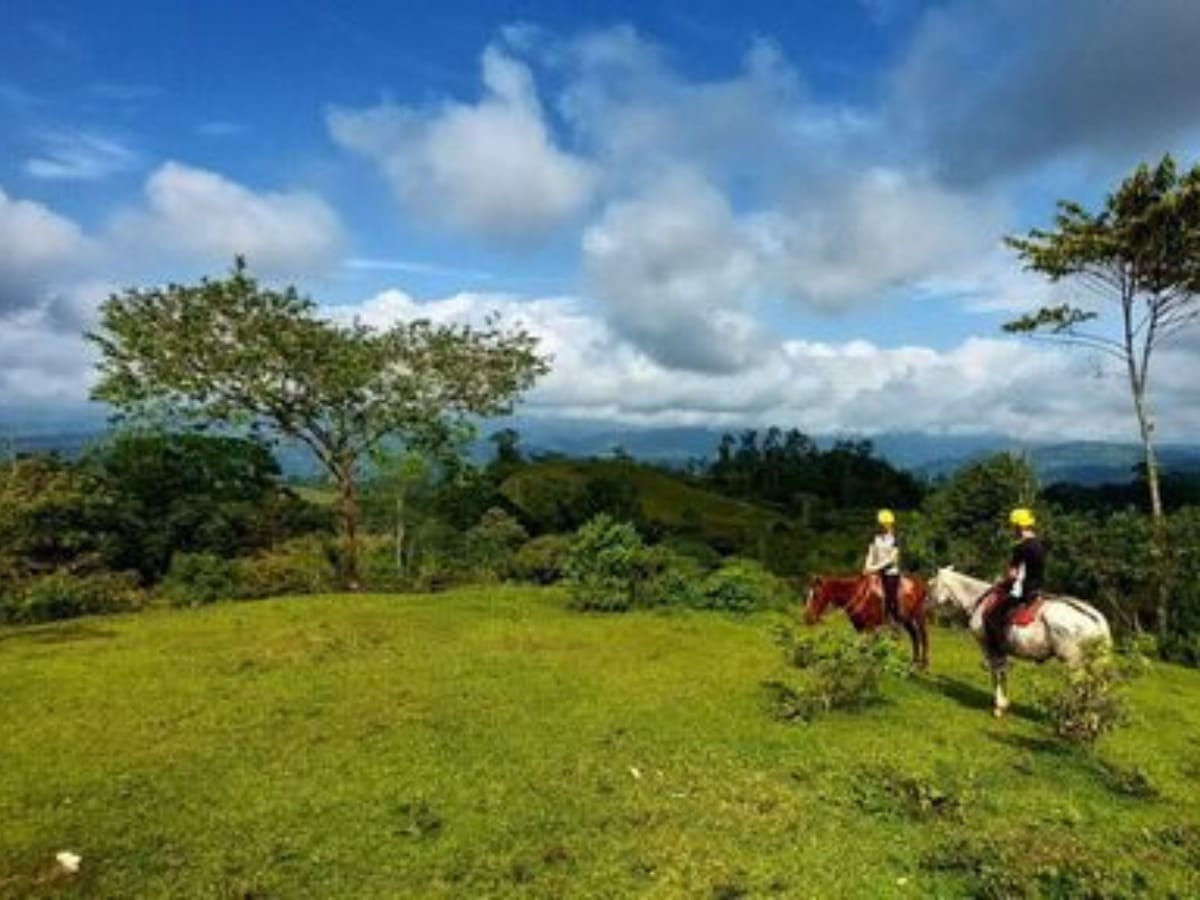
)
(635, 772)
(69, 861)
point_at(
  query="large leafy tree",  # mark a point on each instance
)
(234, 352)
(1139, 254)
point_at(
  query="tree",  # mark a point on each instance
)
(968, 515)
(195, 493)
(230, 351)
(1141, 252)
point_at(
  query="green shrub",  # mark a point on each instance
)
(491, 546)
(670, 579)
(61, 595)
(542, 560)
(603, 565)
(742, 585)
(1089, 703)
(840, 671)
(195, 579)
(302, 566)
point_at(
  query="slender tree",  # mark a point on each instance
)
(1141, 254)
(235, 353)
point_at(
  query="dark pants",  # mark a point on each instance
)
(891, 596)
(995, 620)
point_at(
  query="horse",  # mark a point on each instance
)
(1054, 626)
(861, 596)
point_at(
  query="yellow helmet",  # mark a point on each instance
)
(886, 517)
(1021, 518)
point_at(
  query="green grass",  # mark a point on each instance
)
(487, 742)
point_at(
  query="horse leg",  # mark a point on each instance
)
(914, 638)
(923, 631)
(1000, 684)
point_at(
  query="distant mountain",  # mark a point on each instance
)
(928, 455)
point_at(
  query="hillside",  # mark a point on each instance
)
(664, 500)
(492, 743)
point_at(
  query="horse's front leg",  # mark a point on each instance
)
(1000, 687)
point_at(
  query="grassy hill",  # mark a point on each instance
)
(664, 499)
(492, 743)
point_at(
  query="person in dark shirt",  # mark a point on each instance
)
(1026, 571)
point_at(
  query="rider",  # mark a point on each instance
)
(883, 559)
(1026, 569)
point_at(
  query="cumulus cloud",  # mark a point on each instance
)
(491, 169)
(39, 245)
(675, 270)
(980, 385)
(995, 88)
(204, 217)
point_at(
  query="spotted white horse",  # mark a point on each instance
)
(1062, 627)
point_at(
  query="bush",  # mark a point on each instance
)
(542, 560)
(742, 585)
(302, 566)
(195, 579)
(842, 671)
(61, 595)
(1090, 703)
(603, 565)
(492, 544)
(669, 579)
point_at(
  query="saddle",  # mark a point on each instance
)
(1026, 614)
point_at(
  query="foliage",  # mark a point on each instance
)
(195, 579)
(742, 585)
(492, 544)
(788, 470)
(843, 671)
(231, 351)
(300, 566)
(603, 566)
(1089, 704)
(196, 493)
(53, 516)
(968, 514)
(543, 559)
(63, 595)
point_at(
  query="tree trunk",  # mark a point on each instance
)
(348, 509)
(1158, 535)
(400, 534)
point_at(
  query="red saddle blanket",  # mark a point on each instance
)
(1023, 615)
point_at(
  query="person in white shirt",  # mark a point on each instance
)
(883, 560)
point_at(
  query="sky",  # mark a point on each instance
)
(711, 213)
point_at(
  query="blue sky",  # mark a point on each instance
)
(712, 212)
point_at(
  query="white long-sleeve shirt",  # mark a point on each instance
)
(883, 555)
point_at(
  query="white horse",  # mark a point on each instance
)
(1062, 627)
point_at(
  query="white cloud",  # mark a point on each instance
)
(203, 217)
(981, 385)
(82, 156)
(38, 246)
(490, 169)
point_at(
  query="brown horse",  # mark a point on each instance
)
(861, 596)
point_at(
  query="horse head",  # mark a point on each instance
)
(817, 600)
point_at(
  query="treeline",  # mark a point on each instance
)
(189, 518)
(787, 470)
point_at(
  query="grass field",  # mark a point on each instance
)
(488, 742)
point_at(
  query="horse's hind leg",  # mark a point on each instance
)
(923, 631)
(1000, 683)
(914, 636)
